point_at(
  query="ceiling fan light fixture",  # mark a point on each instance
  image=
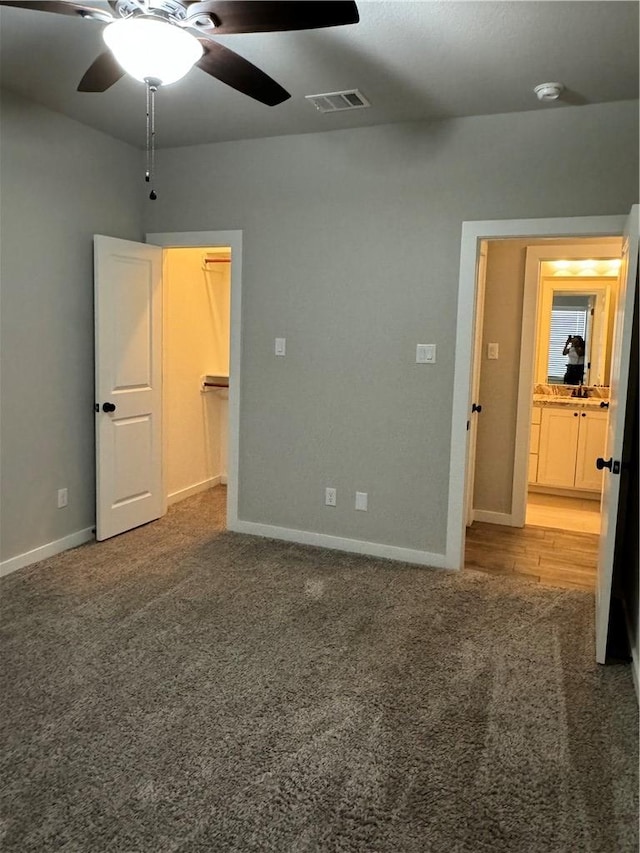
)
(152, 49)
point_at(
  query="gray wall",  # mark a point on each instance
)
(61, 183)
(351, 252)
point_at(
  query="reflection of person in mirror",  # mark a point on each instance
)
(574, 350)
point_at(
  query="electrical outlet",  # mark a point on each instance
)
(63, 498)
(330, 497)
(281, 346)
(492, 350)
(362, 499)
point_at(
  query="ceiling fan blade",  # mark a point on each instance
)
(240, 74)
(101, 74)
(232, 16)
(60, 7)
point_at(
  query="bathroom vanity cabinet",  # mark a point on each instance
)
(565, 443)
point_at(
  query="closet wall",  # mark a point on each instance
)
(196, 342)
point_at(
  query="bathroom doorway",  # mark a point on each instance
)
(534, 291)
(547, 521)
(614, 509)
(569, 300)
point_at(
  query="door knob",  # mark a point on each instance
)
(604, 405)
(108, 407)
(603, 463)
(476, 408)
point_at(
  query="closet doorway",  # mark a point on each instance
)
(202, 304)
(196, 346)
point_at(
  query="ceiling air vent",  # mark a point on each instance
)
(332, 102)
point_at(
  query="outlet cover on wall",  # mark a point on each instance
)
(63, 498)
(281, 346)
(330, 497)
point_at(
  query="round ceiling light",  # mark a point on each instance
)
(149, 49)
(549, 91)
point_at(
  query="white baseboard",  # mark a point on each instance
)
(337, 543)
(181, 494)
(582, 494)
(46, 551)
(488, 517)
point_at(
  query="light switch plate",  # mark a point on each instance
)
(281, 346)
(425, 354)
(492, 350)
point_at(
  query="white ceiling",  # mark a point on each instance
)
(412, 60)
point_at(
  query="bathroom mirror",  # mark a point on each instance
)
(574, 333)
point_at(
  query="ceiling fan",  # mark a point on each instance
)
(160, 40)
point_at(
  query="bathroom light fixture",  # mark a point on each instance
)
(151, 49)
(549, 91)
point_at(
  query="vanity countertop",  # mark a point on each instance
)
(556, 401)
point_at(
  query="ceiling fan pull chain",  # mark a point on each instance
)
(152, 88)
(147, 175)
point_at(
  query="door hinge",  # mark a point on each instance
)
(468, 424)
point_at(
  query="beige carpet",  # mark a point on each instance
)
(180, 688)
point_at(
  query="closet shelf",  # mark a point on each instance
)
(210, 382)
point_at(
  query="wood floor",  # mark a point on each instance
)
(578, 515)
(554, 557)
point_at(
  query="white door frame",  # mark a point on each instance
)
(476, 361)
(472, 234)
(207, 240)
